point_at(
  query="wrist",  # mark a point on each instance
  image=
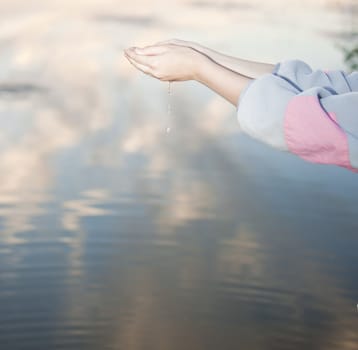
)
(201, 67)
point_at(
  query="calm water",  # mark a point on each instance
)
(118, 235)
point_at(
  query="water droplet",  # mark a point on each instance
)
(169, 109)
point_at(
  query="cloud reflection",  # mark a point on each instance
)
(23, 89)
(226, 5)
(133, 20)
(83, 138)
(88, 206)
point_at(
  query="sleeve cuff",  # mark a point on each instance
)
(243, 92)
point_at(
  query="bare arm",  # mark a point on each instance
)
(177, 63)
(248, 68)
(251, 69)
(223, 81)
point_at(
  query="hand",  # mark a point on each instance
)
(166, 62)
(180, 42)
(248, 68)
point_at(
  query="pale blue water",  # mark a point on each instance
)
(118, 235)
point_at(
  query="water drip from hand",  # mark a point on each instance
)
(169, 108)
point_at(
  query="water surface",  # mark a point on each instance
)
(118, 235)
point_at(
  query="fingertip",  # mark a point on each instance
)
(139, 51)
(130, 50)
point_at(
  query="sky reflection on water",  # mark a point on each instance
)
(117, 235)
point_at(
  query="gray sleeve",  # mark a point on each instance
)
(303, 77)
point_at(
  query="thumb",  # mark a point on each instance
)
(150, 50)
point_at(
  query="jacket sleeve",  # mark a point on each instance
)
(313, 114)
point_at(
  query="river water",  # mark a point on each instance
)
(115, 234)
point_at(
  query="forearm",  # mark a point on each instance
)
(221, 80)
(248, 68)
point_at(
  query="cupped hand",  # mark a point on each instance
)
(179, 42)
(166, 62)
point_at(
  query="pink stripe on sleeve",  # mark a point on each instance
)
(313, 135)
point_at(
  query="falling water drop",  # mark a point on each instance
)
(169, 109)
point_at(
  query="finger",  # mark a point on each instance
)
(141, 67)
(151, 50)
(141, 59)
